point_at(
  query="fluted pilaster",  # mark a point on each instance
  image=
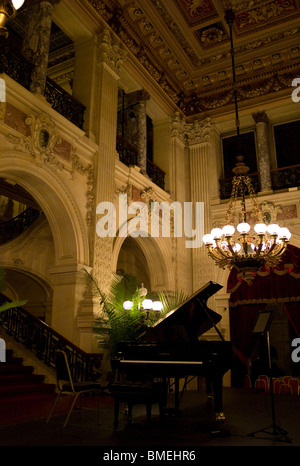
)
(199, 143)
(110, 58)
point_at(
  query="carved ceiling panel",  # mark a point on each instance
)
(183, 46)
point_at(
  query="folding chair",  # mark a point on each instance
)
(66, 385)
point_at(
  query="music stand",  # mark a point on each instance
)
(262, 327)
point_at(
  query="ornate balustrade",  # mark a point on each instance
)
(64, 103)
(20, 70)
(286, 177)
(156, 174)
(43, 341)
(17, 225)
(128, 154)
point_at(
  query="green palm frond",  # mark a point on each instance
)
(171, 300)
(114, 324)
(7, 305)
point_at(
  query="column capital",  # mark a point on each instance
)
(260, 117)
(178, 126)
(198, 132)
(110, 52)
(141, 95)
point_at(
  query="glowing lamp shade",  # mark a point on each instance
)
(243, 228)
(157, 306)
(17, 3)
(207, 239)
(260, 228)
(284, 233)
(273, 229)
(127, 305)
(147, 304)
(228, 230)
(216, 233)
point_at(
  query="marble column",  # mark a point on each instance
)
(137, 101)
(262, 127)
(36, 43)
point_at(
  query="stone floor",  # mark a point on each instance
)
(246, 412)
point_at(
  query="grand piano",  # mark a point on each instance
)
(171, 350)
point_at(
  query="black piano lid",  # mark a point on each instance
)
(190, 314)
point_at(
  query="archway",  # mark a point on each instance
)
(148, 257)
(68, 229)
(65, 222)
(23, 285)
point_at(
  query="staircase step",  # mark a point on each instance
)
(23, 390)
(20, 378)
(13, 361)
(6, 368)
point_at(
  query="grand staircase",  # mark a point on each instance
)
(28, 376)
(24, 395)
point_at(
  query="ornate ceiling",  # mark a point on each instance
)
(184, 46)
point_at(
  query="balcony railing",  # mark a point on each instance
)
(43, 341)
(20, 70)
(64, 103)
(286, 177)
(128, 154)
(17, 225)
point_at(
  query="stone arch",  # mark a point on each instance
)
(158, 259)
(22, 284)
(69, 235)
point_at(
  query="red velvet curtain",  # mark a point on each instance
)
(277, 285)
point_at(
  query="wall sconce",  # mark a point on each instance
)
(8, 9)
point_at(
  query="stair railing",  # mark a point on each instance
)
(43, 341)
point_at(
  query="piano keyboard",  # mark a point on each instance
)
(140, 361)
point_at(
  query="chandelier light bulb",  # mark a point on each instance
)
(243, 228)
(216, 233)
(284, 233)
(260, 228)
(273, 229)
(157, 305)
(127, 305)
(228, 230)
(147, 304)
(207, 239)
(17, 3)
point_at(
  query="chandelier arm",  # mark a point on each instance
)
(258, 252)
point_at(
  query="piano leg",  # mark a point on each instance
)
(217, 383)
(209, 390)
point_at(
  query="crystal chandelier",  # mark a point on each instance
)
(239, 247)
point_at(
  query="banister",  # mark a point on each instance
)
(43, 341)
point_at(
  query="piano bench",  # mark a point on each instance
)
(136, 393)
